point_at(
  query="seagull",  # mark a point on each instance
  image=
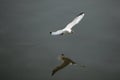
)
(68, 28)
(65, 61)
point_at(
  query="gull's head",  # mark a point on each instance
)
(69, 30)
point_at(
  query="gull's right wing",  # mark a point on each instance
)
(75, 21)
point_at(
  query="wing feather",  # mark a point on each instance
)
(59, 32)
(75, 21)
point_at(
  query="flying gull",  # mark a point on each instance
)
(65, 61)
(68, 28)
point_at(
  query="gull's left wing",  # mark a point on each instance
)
(59, 32)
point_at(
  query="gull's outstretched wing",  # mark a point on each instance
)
(64, 64)
(75, 21)
(59, 32)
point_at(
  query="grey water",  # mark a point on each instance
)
(29, 52)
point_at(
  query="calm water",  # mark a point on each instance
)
(28, 52)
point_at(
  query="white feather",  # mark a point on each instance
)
(58, 32)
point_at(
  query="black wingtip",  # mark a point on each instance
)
(50, 32)
(81, 13)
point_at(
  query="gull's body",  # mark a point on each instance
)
(65, 61)
(68, 28)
